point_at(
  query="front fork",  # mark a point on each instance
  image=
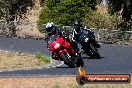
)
(70, 53)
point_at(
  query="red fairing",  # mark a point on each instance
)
(52, 44)
(63, 51)
(56, 43)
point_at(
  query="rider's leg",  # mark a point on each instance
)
(75, 47)
(95, 42)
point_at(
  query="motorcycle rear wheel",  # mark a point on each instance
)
(66, 60)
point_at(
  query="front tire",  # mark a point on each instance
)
(66, 60)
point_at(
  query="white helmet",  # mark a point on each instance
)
(49, 26)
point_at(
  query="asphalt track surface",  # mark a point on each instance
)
(114, 59)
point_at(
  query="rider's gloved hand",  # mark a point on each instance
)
(74, 41)
(48, 48)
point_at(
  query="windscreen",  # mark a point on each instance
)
(52, 38)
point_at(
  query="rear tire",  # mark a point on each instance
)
(66, 60)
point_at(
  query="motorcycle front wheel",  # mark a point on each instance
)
(66, 60)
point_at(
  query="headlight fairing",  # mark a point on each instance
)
(57, 45)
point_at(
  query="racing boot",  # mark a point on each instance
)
(96, 44)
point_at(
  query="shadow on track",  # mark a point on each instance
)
(92, 58)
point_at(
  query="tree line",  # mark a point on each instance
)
(63, 12)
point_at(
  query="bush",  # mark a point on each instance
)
(63, 12)
(101, 19)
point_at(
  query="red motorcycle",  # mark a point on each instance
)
(62, 50)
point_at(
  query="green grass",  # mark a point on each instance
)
(42, 57)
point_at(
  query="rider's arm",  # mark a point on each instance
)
(46, 37)
(58, 31)
(74, 36)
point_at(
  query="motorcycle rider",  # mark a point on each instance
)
(51, 29)
(78, 29)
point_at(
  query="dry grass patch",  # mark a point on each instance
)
(11, 60)
(34, 82)
(52, 82)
